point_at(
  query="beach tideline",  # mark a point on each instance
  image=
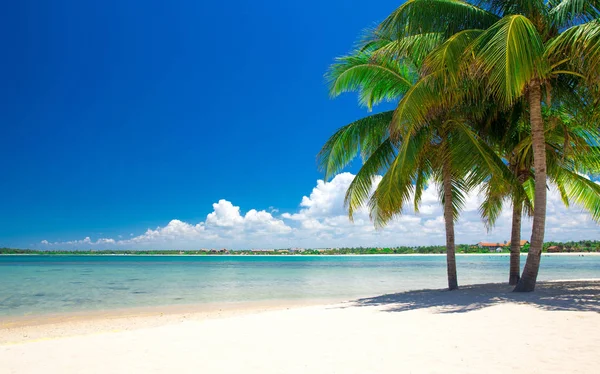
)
(477, 329)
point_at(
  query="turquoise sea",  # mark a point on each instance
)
(36, 285)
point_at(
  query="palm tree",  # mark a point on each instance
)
(520, 48)
(565, 163)
(440, 145)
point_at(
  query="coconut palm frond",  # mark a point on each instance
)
(576, 51)
(364, 136)
(565, 13)
(413, 48)
(361, 187)
(510, 54)
(375, 79)
(448, 56)
(418, 105)
(446, 16)
(582, 191)
(494, 193)
(397, 185)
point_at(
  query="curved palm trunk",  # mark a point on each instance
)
(515, 243)
(449, 219)
(532, 266)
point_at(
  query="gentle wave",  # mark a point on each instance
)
(32, 285)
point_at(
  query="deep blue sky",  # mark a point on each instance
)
(121, 115)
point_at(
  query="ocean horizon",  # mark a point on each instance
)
(37, 285)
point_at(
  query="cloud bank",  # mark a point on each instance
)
(321, 221)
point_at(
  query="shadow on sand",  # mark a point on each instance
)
(558, 296)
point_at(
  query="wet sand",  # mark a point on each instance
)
(477, 329)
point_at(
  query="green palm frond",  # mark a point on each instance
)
(532, 9)
(445, 16)
(510, 54)
(364, 135)
(375, 79)
(424, 173)
(566, 13)
(418, 105)
(579, 47)
(458, 188)
(475, 155)
(449, 55)
(494, 193)
(414, 48)
(529, 188)
(360, 188)
(397, 185)
(563, 194)
(588, 162)
(582, 191)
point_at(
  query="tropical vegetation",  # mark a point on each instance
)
(513, 143)
(584, 246)
(500, 94)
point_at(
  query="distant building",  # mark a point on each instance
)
(492, 247)
(262, 250)
(554, 249)
(497, 247)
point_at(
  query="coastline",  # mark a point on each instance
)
(554, 329)
(299, 255)
(55, 325)
(147, 315)
(79, 286)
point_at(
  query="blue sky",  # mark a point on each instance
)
(120, 116)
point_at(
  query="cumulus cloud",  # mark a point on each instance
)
(321, 221)
(85, 241)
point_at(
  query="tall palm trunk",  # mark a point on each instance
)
(532, 266)
(515, 243)
(515, 237)
(449, 219)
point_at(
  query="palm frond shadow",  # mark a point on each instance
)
(581, 296)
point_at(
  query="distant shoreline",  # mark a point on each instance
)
(295, 255)
(483, 248)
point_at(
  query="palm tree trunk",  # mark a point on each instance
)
(515, 243)
(449, 219)
(532, 266)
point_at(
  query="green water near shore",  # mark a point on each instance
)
(32, 285)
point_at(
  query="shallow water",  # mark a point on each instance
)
(32, 285)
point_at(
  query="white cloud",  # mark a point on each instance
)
(321, 221)
(224, 215)
(85, 241)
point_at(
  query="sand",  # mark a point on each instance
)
(477, 329)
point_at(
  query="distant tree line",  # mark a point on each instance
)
(570, 246)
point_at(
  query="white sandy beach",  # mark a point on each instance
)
(478, 329)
